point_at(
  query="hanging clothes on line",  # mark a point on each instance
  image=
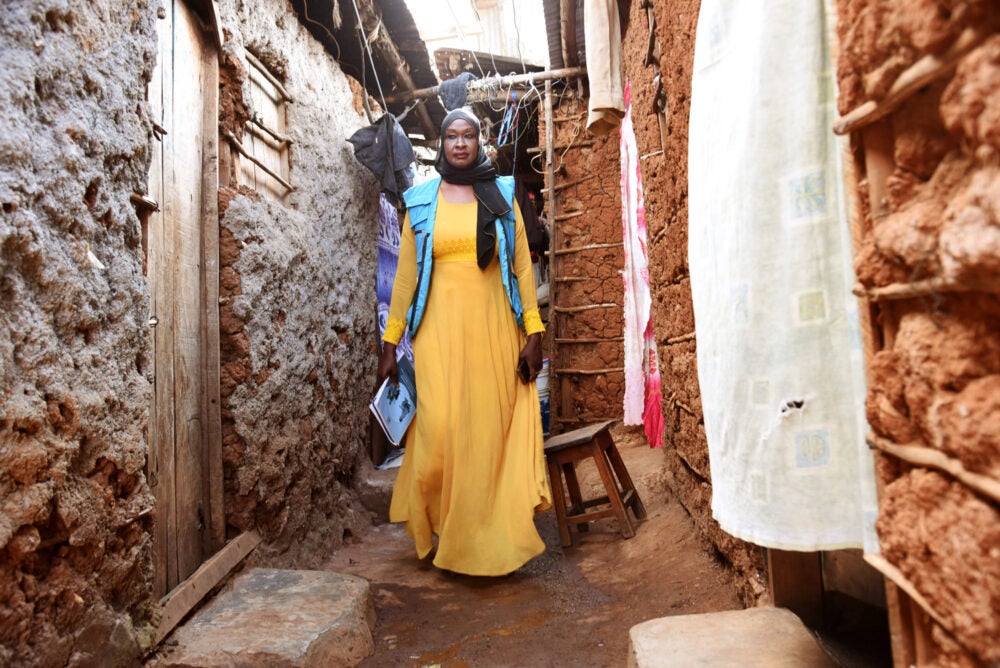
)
(642, 373)
(602, 32)
(385, 149)
(453, 93)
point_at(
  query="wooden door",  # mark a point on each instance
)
(184, 436)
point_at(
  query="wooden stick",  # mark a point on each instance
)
(564, 251)
(589, 307)
(591, 340)
(883, 566)
(577, 144)
(493, 82)
(270, 77)
(589, 372)
(680, 339)
(571, 183)
(174, 606)
(257, 122)
(567, 216)
(585, 419)
(572, 279)
(239, 147)
(677, 404)
(924, 288)
(920, 455)
(921, 73)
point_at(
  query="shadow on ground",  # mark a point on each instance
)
(567, 607)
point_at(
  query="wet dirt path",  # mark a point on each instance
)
(571, 607)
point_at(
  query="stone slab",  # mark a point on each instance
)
(279, 619)
(771, 637)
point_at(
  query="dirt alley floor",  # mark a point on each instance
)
(571, 607)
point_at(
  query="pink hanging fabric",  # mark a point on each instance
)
(642, 371)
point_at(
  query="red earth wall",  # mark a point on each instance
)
(927, 206)
(664, 174)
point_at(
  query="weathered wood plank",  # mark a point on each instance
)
(178, 603)
(797, 584)
(215, 534)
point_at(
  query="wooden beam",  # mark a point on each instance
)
(922, 73)
(680, 339)
(588, 307)
(212, 472)
(567, 184)
(923, 288)
(925, 457)
(578, 144)
(577, 249)
(797, 583)
(493, 82)
(592, 340)
(370, 18)
(178, 603)
(883, 566)
(589, 372)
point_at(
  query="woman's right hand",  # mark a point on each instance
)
(387, 363)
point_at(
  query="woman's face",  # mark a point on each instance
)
(461, 144)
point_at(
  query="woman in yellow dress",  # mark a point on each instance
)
(474, 470)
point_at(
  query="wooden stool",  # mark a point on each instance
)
(562, 452)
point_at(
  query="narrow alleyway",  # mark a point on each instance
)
(569, 607)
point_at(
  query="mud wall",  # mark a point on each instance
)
(586, 312)
(927, 189)
(75, 522)
(663, 160)
(297, 294)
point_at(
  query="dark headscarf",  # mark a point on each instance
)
(482, 177)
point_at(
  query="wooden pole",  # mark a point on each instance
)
(565, 403)
(491, 82)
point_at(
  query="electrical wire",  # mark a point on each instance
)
(461, 33)
(305, 12)
(371, 59)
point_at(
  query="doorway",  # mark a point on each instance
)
(185, 461)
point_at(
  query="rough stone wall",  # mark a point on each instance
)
(590, 164)
(664, 174)
(75, 523)
(935, 374)
(298, 293)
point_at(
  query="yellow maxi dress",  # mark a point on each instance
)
(474, 469)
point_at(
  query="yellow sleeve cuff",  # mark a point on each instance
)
(532, 322)
(394, 329)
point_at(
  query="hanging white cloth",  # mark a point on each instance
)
(602, 32)
(642, 373)
(780, 363)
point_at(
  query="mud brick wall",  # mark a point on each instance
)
(578, 155)
(934, 377)
(298, 302)
(664, 175)
(75, 509)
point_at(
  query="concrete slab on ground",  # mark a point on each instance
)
(771, 637)
(278, 618)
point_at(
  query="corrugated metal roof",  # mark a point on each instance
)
(344, 45)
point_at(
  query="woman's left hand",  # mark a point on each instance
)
(531, 355)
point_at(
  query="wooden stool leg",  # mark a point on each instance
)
(575, 497)
(559, 500)
(614, 496)
(626, 480)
